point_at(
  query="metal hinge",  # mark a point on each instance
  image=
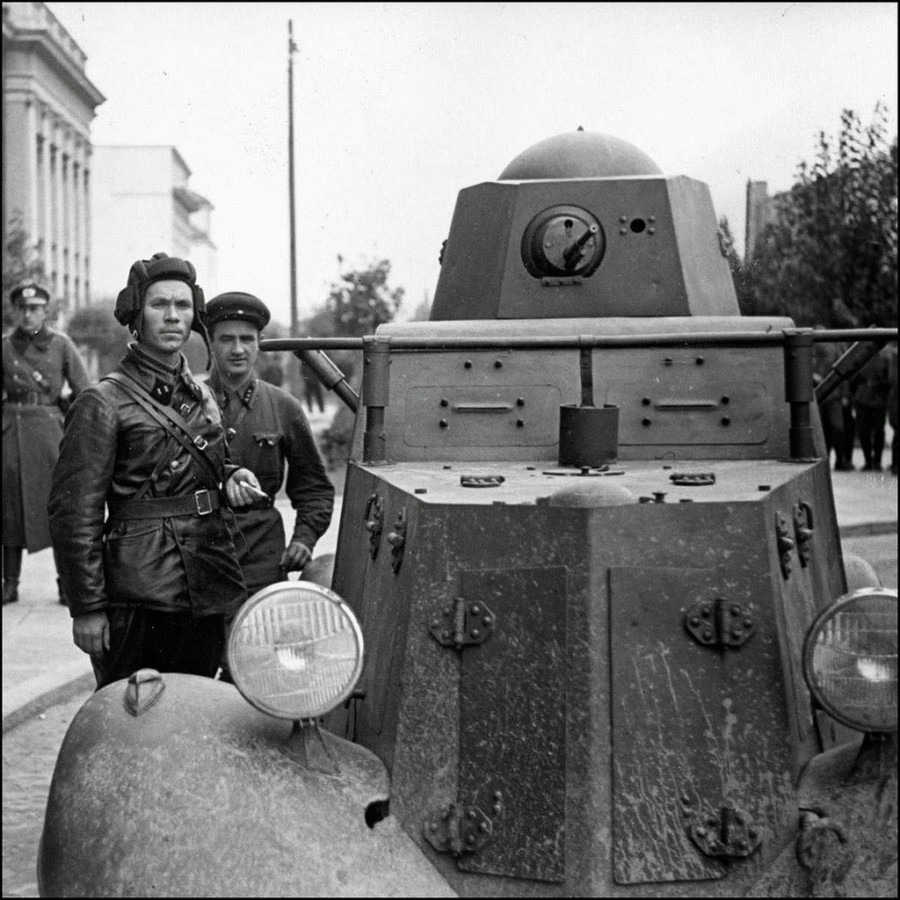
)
(374, 516)
(803, 530)
(459, 829)
(730, 832)
(463, 624)
(719, 623)
(785, 543)
(397, 540)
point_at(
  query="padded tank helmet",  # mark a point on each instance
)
(160, 267)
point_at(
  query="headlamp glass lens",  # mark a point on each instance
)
(850, 660)
(295, 650)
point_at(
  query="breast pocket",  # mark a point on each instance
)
(268, 453)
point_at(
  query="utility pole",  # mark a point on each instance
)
(292, 47)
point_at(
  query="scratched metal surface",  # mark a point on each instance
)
(694, 729)
(513, 722)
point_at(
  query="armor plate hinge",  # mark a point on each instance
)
(803, 530)
(729, 833)
(785, 543)
(397, 540)
(374, 516)
(719, 623)
(459, 829)
(463, 624)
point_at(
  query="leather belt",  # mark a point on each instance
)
(200, 503)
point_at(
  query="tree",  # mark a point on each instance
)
(99, 335)
(356, 306)
(362, 300)
(21, 259)
(830, 256)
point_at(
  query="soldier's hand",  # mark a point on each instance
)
(243, 488)
(91, 632)
(295, 556)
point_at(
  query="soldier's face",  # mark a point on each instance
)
(235, 347)
(32, 315)
(166, 316)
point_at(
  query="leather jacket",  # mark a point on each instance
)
(111, 448)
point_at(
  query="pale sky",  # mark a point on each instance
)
(398, 106)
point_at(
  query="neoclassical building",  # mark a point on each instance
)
(48, 106)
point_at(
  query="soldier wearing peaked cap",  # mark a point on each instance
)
(150, 586)
(269, 434)
(37, 363)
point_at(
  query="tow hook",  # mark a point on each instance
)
(823, 850)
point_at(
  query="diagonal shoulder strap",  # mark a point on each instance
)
(168, 420)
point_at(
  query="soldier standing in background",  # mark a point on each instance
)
(267, 432)
(37, 362)
(871, 387)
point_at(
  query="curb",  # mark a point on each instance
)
(868, 528)
(39, 704)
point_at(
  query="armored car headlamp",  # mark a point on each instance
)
(295, 650)
(850, 659)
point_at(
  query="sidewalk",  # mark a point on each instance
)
(42, 667)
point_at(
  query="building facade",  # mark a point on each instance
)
(142, 204)
(48, 106)
(760, 212)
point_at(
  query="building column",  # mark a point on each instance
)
(86, 219)
(46, 230)
(56, 206)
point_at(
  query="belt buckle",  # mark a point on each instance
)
(203, 502)
(201, 442)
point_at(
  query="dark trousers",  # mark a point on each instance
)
(168, 642)
(870, 429)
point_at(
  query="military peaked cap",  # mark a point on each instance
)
(237, 305)
(29, 290)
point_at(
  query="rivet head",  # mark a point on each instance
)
(487, 621)
(736, 633)
(470, 839)
(706, 611)
(700, 831)
(482, 826)
(476, 610)
(736, 610)
(695, 620)
(623, 231)
(470, 814)
(497, 809)
(748, 622)
(476, 633)
(432, 826)
(707, 635)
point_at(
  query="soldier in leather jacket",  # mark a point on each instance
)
(149, 584)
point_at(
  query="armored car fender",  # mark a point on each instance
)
(174, 785)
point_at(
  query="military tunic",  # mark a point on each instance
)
(35, 367)
(112, 447)
(268, 433)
